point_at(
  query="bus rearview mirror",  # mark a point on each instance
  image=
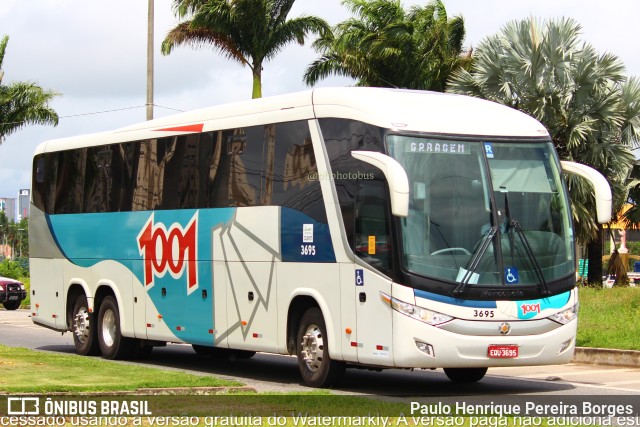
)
(601, 188)
(396, 176)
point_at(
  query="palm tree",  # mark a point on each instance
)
(583, 98)
(631, 131)
(23, 103)
(247, 31)
(4, 230)
(385, 46)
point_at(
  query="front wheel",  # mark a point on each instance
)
(112, 344)
(11, 305)
(465, 375)
(315, 364)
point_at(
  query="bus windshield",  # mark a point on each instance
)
(484, 213)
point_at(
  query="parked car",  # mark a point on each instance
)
(12, 293)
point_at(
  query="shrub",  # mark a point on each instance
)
(13, 269)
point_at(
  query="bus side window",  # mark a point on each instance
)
(38, 180)
(372, 238)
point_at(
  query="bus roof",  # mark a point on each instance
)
(398, 109)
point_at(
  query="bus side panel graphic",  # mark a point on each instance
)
(171, 255)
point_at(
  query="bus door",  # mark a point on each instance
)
(371, 242)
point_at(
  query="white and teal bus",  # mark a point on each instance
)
(347, 226)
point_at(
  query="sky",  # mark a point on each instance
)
(93, 52)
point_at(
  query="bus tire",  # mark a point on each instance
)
(83, 326)
(112, 344)
(465, 375)
(315, 365)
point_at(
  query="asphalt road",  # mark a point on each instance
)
(279, 373)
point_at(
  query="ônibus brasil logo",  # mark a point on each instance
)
(172, 250)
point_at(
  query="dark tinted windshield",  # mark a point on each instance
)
(462, 190)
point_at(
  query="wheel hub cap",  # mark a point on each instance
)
(81, 325)
(313, 348)
(109, 328)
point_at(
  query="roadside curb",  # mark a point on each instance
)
(605, 356)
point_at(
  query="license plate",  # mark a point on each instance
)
(13, 297)
(503, 351)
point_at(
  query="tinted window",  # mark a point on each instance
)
(342, 136)
(38, 181)
(291, 173)
(371, 237)
(98, 180)
(360, 187)
(69, 187)
(254, 166)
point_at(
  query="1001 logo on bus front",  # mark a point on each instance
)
(173, 250)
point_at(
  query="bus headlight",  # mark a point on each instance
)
(430, 317)
(565, 316)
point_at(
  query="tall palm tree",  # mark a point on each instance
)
(583, 98)
(4, 230)
(23, 103)
(247, 31)
(383, 45)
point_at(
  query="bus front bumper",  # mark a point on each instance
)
(419, 345)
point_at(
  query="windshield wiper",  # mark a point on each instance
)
(475, 260)
(542, 284)
(515, 225)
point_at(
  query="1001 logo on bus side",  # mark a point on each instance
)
(172, 250)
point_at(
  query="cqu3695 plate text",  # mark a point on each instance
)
(503, 351)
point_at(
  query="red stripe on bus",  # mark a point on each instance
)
(187, 128)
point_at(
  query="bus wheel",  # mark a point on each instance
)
(465, 375)
(83, 327)
(112, 344)
(315, 365)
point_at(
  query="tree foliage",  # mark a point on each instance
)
(14, 235)
(385, 46)
(582, 97)
(249, 32)
(23, 103)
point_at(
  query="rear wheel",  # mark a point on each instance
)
(112, 344)
(83, 326)
(465, 375)
(315, 365)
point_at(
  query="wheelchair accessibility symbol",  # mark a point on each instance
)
(359, 277)
(511, 275)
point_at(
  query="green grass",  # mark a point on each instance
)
(609, 318)
(34, 371)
